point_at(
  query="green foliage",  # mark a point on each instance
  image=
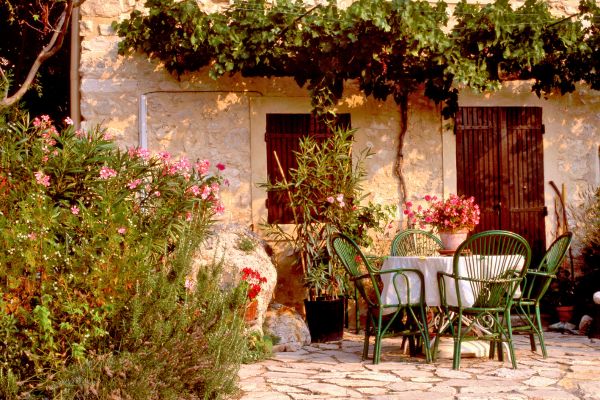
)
(587, 228)
(326, 195)
(98, 243)
(258, 347)
(246, 244)
(388, 47)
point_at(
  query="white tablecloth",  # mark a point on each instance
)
(429, 267)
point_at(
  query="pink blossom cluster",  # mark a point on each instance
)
(339, 198)
(107, 173)
(42, 179)
(48, 133)
(138, 152)
(453, 214)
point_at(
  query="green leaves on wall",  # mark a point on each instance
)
(388, 47)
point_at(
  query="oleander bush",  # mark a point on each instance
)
(97, 246)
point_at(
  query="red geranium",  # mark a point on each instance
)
(254, 280)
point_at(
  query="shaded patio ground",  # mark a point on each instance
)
(335, 371)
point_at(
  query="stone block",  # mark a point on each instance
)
(102, 8)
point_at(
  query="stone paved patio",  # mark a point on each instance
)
(335, 371)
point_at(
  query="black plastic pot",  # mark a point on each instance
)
(325, 319)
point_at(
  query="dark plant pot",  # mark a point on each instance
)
(325, 319)
(565, 313)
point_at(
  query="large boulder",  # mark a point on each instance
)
(237, 247)
(288, 326)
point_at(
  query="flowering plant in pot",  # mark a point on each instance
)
(453, 218)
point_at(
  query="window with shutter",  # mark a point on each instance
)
(283, 135)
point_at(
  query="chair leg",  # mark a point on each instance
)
(540, 331)
(441, 328)
(457, 333)
(356, 310)
(424, 330)
(367, 334)
(377, 347)
(511, 347)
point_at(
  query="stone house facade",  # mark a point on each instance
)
(225, 121)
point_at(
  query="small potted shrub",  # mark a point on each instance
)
(561, 295)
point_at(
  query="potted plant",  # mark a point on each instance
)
(326, 196)
(561, 295)
(453, 218)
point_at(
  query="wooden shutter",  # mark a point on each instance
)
(477, 134)
(283, 137)
(499, 157)
(524, 171)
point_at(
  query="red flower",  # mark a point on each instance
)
(254, 280)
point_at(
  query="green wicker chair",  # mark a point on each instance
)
(536, 283)
(484, 285)
(415, 242)
(380, 316)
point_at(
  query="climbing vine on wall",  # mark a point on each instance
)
(390, 48)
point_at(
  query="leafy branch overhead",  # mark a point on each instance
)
(387, 47)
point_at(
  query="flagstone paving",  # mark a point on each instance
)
(335, 371)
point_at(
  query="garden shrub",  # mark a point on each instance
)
(97, 244)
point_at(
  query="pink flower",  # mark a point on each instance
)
(42, 179)
(74, 210)
(164, 155)
(108, 136)
(220, 209)
(340, 197)
(134, 183)
(188, 216)
(205, 192)
(220, 166)
(330, 199)
(121, 230)
(342, 204)
(189, 284)
(107, 173)
(68, 121)
(427, 197)
(32, 236)
(194, 190)
(144, 154)
(203, 166)
(157, 193)
(408, 204)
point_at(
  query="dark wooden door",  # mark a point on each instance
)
(499, 157)
(283, 138)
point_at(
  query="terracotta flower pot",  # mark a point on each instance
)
(565, 313)
(452, 239)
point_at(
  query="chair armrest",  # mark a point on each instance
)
(538, 273)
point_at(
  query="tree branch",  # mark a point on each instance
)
(53, 46)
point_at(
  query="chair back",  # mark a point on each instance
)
(493, 263)
(538, 282)
(351, 257)
(415, 242)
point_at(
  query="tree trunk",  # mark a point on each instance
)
(402, 101)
